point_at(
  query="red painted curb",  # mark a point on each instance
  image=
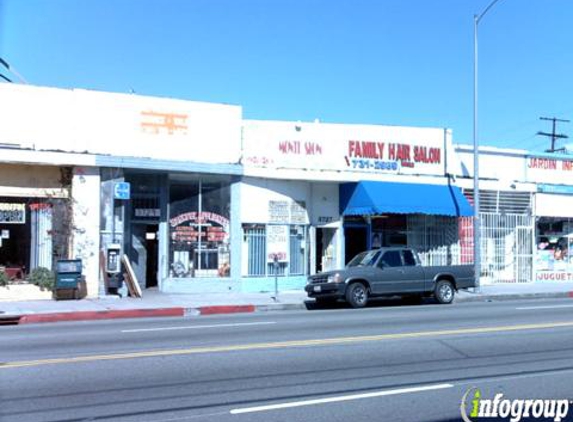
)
(94, 315)
(226, 309)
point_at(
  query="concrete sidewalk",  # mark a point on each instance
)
(156, 304)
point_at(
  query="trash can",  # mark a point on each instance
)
(68, 277)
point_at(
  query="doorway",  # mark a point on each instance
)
(325, 257)
(143, 253)
(355, 241)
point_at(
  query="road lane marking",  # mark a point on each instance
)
(287, 344)
(197, 327)
(527, 308)
(341, 398)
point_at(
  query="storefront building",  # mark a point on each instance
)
(148, 182)
(177, 223)
(554, 216)
(192, 198)
(328, 191)
(526, 213)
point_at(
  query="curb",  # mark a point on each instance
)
(225, 309)
(141, 313)
(100, 315)
(12, 319)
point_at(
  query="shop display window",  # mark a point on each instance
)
(554, 237)
(34, 232)
(199, 229)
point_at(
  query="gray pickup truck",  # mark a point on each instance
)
(389, 272)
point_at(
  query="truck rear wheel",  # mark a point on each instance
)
(444, 292)
(357, 295)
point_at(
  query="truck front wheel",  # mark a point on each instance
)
(444, 292)
(357, 295)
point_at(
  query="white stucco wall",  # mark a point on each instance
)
(324, 206)
(86, 218)
(494, 163)
(257, 193)
(83, 121)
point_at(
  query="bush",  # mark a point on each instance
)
(3, 279)
(43, 278)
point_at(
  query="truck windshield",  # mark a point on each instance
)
(364, 259)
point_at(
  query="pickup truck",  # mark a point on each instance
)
(389, 272)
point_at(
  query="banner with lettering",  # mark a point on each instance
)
(356, 148)
(552, 169)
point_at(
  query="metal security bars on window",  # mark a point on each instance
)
(259, 262)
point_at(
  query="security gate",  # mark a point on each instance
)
(506, 248)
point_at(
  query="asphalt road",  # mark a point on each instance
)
(383, 363)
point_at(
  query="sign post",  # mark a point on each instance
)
(276, 268)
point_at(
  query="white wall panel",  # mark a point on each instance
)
(550, 205)
(256, 194)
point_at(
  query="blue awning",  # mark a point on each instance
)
(371, 198)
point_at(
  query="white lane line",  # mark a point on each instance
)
(197, 327)
(341, 398)
(528, 308)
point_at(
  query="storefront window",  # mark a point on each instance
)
(33, 233)
(199, 229)
(553, 239)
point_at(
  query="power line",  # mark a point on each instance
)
(554, 136)
(12, 70)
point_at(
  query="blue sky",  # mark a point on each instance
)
(394, 62)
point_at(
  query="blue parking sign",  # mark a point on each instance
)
(122, 190)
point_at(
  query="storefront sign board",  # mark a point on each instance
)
(355, 148)
(553, 276)
(549, 169)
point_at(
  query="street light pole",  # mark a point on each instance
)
(477, 225)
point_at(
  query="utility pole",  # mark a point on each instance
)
(554, 136)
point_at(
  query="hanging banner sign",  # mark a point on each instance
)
(12, 213)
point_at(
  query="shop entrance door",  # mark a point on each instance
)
(325, 249)
(143, 253)
(355, 241)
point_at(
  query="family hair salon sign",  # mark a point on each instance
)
(354, 148)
